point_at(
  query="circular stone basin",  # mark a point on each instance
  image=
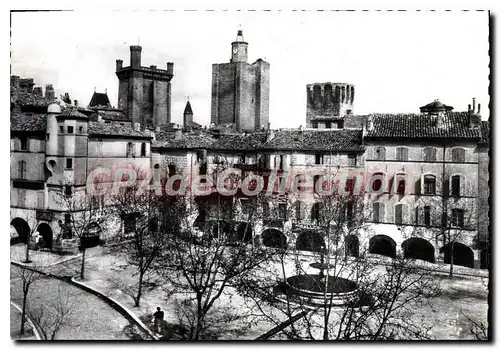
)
(339, 290)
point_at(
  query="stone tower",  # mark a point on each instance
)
(144, 93)
(188, 114)
(240, 90)
(328, 104)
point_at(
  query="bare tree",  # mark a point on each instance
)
(143, 242)
(49, 318)
(83, 215)
(208, 255)
(28, 276)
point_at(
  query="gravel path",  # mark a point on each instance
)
(91, 317)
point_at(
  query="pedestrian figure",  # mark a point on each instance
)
(158, 315)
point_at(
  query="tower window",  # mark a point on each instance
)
(379, 153)
(70, 129)
(143, 149)
(69, 163)
(318, 158)
(67, 190)
(351, 159)
(130, 150)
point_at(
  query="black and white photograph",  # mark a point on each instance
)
(240, 175)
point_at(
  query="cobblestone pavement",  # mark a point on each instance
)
(91, 318)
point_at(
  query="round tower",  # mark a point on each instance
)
(328, 103)
(239, 49)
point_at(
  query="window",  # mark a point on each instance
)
(455, 185)
(68, 230)
(427, 215)
(328, 125)
(400, 183)
(351, 159)
(350, 214)
(378, 212)
(80, 129)
(349, 186)
(429, 154)
(24, 143)
(398, 214)
(70, 129)
(48, 136)
(379, 153)
(129, 224)
(316, 212)
(143, 149)
(265, 209)
(458, 155)
(402, 154)
(429, 184)
(67, 190)
(282, 211)
(130, 150)
(340, 124)
(300, 211)
(69, 163)
(377, 183)
(318, 159)
(457, 217)
(22, 170)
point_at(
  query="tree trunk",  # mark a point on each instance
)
(451, 260)
(199, 317)
(82, 270)
(139, 290)
(23, 313)
(27, 260)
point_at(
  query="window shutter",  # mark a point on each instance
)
(418, 186)
(382, 213)
(446, 187)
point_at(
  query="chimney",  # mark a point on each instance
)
(76, 103)
(178, 134)
(157, 129)
(153, 67)
(473, 105)
(99, 119)
(469, 109)
(135, 56)
(137, 126)
(119, 64)
(170, 68)
(478, 108)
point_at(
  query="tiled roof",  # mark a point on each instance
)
(72, 112)
(317, 140)
(241, 141)
(28, 123)
(485, 132)
(188, 140)
(115, 130)
(422, 126)
(99, 99)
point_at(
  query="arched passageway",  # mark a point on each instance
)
(311, 241)
(352, 245)
(462, 255)
(46, 233)
(273, 238)
(22, 228)
(418, 248)
(382, 245)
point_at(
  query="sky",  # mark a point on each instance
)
(397, 61)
